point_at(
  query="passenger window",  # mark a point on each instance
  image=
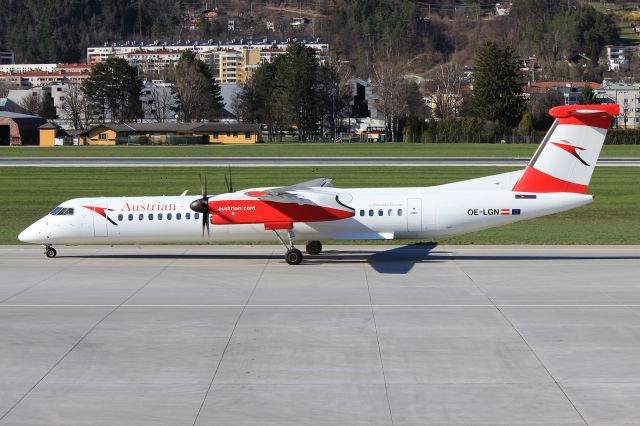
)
(390, 212)
(130, 217)
(187, 216)
(380, 212)
(399, 212)
(150, 216)
(159, 216)
(196, 216)
(361, 212)
(371, 212)
(140, 216)
(120, 217)
(178, 216)
(168, 216)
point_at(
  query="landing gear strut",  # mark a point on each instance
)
(314, 247)
(49, 251)
(293, 255)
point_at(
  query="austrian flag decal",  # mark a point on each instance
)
(102, 211)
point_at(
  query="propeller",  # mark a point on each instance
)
(201, 205)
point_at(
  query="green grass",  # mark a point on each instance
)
(27, 194)
(303, 150)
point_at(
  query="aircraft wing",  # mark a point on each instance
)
(309, 201)
(298, 193)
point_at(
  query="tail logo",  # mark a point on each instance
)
(572, 150)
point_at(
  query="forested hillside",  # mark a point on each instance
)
(419, 34)
(60, 30)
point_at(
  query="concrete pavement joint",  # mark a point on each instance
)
(226, 346)
(524, 340)
(375, 326)
(75, 345)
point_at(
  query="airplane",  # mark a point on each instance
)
(555, 180)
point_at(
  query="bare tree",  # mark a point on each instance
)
(4, 89)
(387, 83)
(161, 103)
(198, 94)
(74, 106)
(446, 86)
(31, 103)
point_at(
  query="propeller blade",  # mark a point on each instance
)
(230, 181)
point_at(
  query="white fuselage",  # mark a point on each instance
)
(380, 213)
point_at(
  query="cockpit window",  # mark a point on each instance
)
(62, 211)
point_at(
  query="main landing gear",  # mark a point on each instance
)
(49, 251)
(293, 255)
(314, 247)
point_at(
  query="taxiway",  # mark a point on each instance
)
(359, 335)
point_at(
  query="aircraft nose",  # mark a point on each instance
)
(30, 234)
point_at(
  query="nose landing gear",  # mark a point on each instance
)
(49, 251)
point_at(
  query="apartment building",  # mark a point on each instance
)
(628, 97)
(230, 61)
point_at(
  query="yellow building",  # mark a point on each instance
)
(238, 66)
(171, 133)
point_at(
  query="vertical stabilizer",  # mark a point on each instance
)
(567, 156)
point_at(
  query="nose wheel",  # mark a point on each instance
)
(50, 251)
(293, 256)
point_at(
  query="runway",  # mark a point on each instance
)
(359, 335)
(281, 161)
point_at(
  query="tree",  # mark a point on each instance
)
(497, 86)
(47, 108)
(113, 91)
(333, 93)
(446, 87)
(387, 78)
(588, 96)
(295, 88)
(4, 89)
(161, 103)
(198, 94)
(31, 103)
(75, 107)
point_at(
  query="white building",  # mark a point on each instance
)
(628, 97)
(97, 54)
(617, 58)
(20, 68)
(503, 8)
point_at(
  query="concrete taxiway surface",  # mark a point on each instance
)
(281, 161)
(360, 335)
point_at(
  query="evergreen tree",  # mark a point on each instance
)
(46, 108)
(588, 97)
(497, 86)
(113, 91)
(295, 81)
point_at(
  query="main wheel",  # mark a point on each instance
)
(293, 257)
(50, 252)
(314, 247)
